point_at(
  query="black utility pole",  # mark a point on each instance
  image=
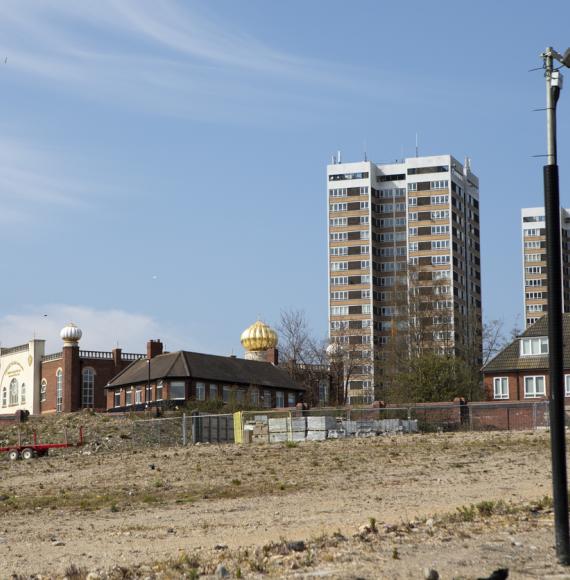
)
(555, 317)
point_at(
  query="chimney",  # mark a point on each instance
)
(272, 356)
(153, 348)
(117, 352)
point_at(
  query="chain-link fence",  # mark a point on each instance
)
(184, 430)
(319, 424)
(275, 426)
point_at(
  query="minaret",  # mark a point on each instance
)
(71, 335)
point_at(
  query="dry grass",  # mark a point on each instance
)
(250, 494)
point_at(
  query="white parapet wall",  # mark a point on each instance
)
(20, 377)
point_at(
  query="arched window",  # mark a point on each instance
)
(23, 394)
(59, 391)
(4, 396)
(43, 391)
(13, 392)
(87, 387)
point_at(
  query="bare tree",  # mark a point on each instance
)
(310, 361)
(493, 339)
(303, 355)
(295, 342)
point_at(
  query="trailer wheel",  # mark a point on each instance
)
(27, 454)
(13, 455)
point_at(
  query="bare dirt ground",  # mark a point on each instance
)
(464, 504)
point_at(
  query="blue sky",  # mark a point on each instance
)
(162, 164)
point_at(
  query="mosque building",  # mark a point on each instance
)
(74, 379)
(61, 382)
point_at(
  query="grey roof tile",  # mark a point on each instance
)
(509, 358)
(207, 367)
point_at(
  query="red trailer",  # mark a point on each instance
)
(29, 451)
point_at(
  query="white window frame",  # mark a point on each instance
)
(279, 399)
(533, 392)
(177, 385)
(339, 281)
(534, 346)
(567, 385)
(59, 391)
(339, 266)
(501, 388)
(13, 395)
(200, 391)
(117, 398)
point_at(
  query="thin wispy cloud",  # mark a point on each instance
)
(32, 180)
(166, 57)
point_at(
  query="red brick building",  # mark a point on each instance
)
(75, 379)
(520, 371)
(173, 378)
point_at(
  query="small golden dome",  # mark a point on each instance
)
(258, 336)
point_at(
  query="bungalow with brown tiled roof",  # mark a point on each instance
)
(172, 378)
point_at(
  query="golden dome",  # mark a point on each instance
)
(258, 336)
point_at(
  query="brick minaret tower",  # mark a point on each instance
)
(71, 335)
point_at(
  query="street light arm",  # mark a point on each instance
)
(561, 58)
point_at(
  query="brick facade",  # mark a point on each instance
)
(72, 364)
(516, 381)
(290, 397)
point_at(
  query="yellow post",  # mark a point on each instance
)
(238, 427)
